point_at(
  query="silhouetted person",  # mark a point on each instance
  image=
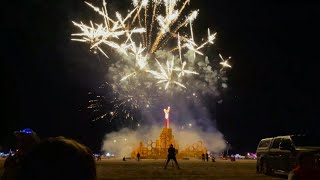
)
(207, 156)
(59, 158)
(124, 158)
(213, 159)
(99, 157)
(171, 156)
(307, 168)
(232, 158)
(138, 156)
(26, 140)
(203, 157)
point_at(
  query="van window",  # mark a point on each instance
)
(286, 141)
(264, 143)
(276, 143)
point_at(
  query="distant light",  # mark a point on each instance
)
(25, 131)
(108, 154)
(125, 139)
(194, 94)
(114, 141)
(190, 124)
(138, 124)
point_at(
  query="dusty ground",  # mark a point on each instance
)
(1, 165)
(190, 169)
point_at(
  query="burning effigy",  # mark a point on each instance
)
(158, 149)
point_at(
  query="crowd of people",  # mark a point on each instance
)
(53, 158)
(63, 158)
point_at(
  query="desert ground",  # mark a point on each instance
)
(1, 166)
(190, 169)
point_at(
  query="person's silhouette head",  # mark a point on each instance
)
(26, 139)
(59, 158)
(307, 160)
(171, 145)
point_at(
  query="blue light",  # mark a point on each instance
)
(26, 131)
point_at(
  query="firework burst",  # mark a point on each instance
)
(157, 54)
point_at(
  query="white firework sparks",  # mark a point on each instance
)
(225, 62)
(146, 38)
(165, 76)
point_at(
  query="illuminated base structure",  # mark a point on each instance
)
(159, 149)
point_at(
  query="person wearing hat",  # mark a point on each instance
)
(26, 139)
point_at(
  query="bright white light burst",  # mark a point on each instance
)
(152, 47)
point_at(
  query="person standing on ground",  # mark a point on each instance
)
(99, 157)
(171, 156)
(138, 156)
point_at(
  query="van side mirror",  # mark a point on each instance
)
(286, 145)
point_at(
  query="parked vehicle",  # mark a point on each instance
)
(279, 154)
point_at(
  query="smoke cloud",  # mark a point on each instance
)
(142, 80)
(122, 142)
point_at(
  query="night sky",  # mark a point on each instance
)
(273, 85)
